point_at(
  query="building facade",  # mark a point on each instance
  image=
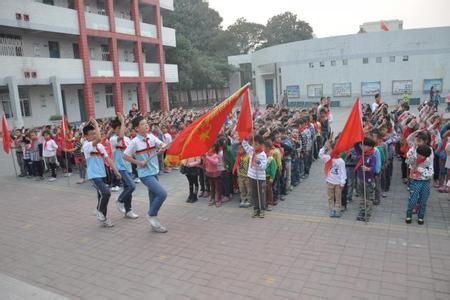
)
(82, 58)
(391, 63)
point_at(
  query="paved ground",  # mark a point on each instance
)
(50, 245)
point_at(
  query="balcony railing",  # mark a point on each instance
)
(168, 36)
(125, 26)
(101, 68)
(128, 69)
(166, 4)
(148, 30)
(151, 70)
(97, 22)
(171, 73)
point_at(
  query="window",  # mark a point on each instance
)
(101, 7)
(379, 60)
(392, 59)
(365, 60)
(311, 65)
(405, 58)
(6, 105)
(50, 2)
(105, 53)
(76, 51)
(345, 62)
(92, 53)
(109, 96)
(53, 49)
(70, 4)
(25, 106)
(333, 63)
(10, 45)
(322, 64)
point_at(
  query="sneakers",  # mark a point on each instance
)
(115, 189)
(241, 205)
(52, 179)
(156, 226)
(201, 194)
(120, 207)
(137, 180)
(269, 208)
(261, 214)
(67, 174)
(255, 213)
(332, 213)
(225, 199)
(100, 216)
(211, 202)
(420, 222)
(81, 181)
(383, 195)
(206, 194)
(131, 215)
(246, 204)
(408, 220)
(107, 223)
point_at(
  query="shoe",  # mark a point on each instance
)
(206, 194)
(332, 212)
(269, 208)
(201, 194)
(120, 207)
(420, 222)
(225, 199)
(100, 216)
(156, 226)
(52, 179)
(408, 220)
(255, 213)
(241, 205)
(218, 203)
(107, 223)
(22, 175)
(194, 198)
(383, 195)
(29, 176)
(211, 202)
(115, 189)
(80, 181)
(261, 214)
(131, 215)
(67, 174)
(282, 198)
(337, 214)
(246, 204)
(41, 178)
(137, 180)
(189, 199)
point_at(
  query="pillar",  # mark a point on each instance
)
(14, 99)
(161, 60)
(117, 88)
(57, 95)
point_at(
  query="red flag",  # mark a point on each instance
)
(384, 26)
(245, 125)
(64, 129)
(352, 133)
(6, 136)
(201, 135)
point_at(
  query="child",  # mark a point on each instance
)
(35, 156)
(336, 179)
(212, 172)
(257, 174)
(49, 153)
(271, 171)
(420, 163)
(167, 139)
(78, 157)
(241, 168)
(95, 155)
(190, 168)
(28, 164)
(365, 170)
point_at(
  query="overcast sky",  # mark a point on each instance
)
(338, 17)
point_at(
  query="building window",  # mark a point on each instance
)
(70, 4)
(345, 62)
(101, 7)
(76, 51)
(365, 60)
(105, 53)
(10, 45)
(49, 2)
(333, 63)
(6, 105)
(53, 49)
(379, 60)
(322, 64)
(405, 58)
(109, 95)
(25, 106)
(392, 59)
(311, 65)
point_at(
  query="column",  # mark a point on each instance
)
(57, 95)
(142, 97)
(161, 60)
(117, 89)
(14, 99)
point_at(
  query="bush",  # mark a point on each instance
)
(55, 118)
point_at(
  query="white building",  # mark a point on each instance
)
(345, 67)
(82, 58)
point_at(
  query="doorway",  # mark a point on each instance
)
(81, 105)
(269, 91)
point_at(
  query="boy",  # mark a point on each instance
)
(95, 154)
(35, 156)
(19, 145)
(257, 174)
(142, 151)
(241, 166)
(49, 153)
(119, 142)
(365, 170)
(336, 179)
(271, 171)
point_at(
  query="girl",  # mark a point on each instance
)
(211, 163)
(190, 168)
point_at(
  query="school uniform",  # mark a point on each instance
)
(49, 149)
(257, 174)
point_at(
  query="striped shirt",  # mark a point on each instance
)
(256, 170)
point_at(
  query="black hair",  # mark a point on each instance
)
(136, 121)
(424, 150)
(47, 132)
(377, 95)
(87, 128)
(424, 136)
(115, 123)
(369, 142)
(259, 139)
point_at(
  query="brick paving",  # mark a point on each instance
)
(51, 240)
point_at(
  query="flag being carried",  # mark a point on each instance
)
(245, 124)
(6, 136)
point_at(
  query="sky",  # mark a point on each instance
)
(338, 17)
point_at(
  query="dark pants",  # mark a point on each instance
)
(19, 156)
(308, 161)
(295, 171)
(216, 187)
(193, 184)
(404, 169)
(128, 189)
(28, 164)
(204, 182)
(103, 195)
(38, 168)
(225, 178)
(258, 194)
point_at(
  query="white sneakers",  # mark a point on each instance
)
(131, 215)
(100, 216)
(115, 189)
(52, 179)
(107, 223)
(156, 226)
(137, 180)
(67, 174)
(120, 207)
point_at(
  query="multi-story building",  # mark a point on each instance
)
(82, 58)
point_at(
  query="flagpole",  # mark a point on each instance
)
(364, 184)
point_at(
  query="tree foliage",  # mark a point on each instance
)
(246, 35)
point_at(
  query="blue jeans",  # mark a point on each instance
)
(419, 191)
(103, 195)
(128, 189)
(156, 194)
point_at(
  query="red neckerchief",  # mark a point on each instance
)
(366, 154)
(148, 148)
(257, 151)
(98, 153)
(420, 161)
(279, 147)
(45, 143)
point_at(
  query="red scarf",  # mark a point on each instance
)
(45, 143)
(279, 147)
(420, 161)
(366, 154)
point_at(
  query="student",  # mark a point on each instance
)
(336, 179)
(95, 155)
(365, 170)
(212, 172)
(18, 145)
(49, 153)
(241, 168)
(190, 168)
(143, 151)
(257, 174)
(420, 162)
(167, 139)
(78, 157)
(119, 142)
(271, 171)
(35, 156)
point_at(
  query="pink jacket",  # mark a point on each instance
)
(211, 164)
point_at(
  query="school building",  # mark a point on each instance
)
(82, 58)
(393, 63)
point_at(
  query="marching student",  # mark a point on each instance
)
(36, 156)
(143, 151)
(49, 153)
(95, 155)
(119, 142)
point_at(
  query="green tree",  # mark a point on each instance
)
(285, 28)
(247, 35)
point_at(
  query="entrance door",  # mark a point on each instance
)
(269, 91)
(81, 104)
(53, 48)
(63, 96)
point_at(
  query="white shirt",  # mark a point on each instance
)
(374, 106)
(95, 156)
(167, 138)
(49, 148)
(338, 173)
(257, 172)
(145, 149)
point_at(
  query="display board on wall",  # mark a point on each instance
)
(428, 83)
(342, 89)
(370, 88)
(400, 87)
(293, 91)
(315, 90)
